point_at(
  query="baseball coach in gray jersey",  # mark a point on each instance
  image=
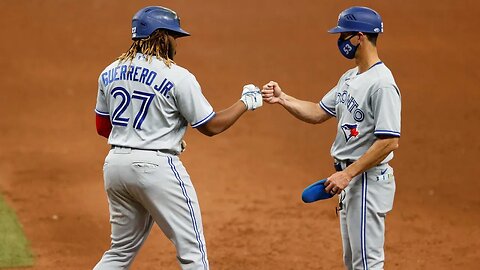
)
(366, 103)
(145, 102)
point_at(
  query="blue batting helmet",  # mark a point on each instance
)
(358, 19)
(149, 19)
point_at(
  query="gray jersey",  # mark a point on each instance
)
(150, 104)
(366, 105)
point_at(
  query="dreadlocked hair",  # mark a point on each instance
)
(157, 44)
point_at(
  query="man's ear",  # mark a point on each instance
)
(362, 36)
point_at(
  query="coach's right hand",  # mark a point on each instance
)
(271, 92)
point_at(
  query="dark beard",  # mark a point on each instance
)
(171, 51)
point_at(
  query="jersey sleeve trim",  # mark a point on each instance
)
(204, 120)
(102, 113)
(324, 107)
(387, 132)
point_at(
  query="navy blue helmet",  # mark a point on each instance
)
(358, 19)
(149, 19)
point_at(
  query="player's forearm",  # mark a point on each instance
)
(304, 110)
(223, 119)
(374, 155)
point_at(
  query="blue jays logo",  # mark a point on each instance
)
(134, 31)
(350, 131)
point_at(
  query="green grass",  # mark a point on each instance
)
(14, 247)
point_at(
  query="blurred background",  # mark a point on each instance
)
(250, 178)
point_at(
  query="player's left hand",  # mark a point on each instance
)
(252, 97)
(337, 182)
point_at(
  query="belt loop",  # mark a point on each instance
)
(119, 150)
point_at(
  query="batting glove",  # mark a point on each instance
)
(252, 97)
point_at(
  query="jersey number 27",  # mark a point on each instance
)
(145, 98)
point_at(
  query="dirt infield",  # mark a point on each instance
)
(51, 158)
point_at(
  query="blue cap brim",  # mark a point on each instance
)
(338, 29)
(183, 32)
(315, 192)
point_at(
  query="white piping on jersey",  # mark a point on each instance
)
(387, 132)
(102, 113)
(204, 120)
(327, 109)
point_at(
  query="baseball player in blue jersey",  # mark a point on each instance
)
(366, 103)
(145, 102)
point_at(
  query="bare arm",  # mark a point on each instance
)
(223, 119)
(251, 99)
(304, 110)
(374, 155)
